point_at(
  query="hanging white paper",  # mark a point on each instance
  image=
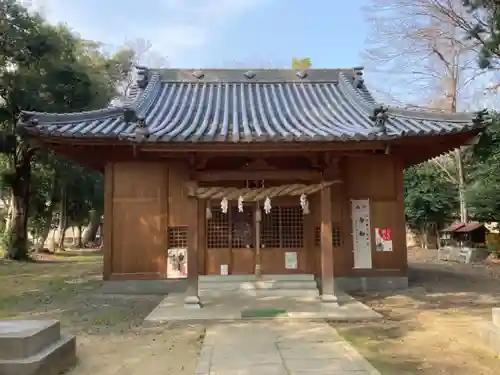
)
(177, 263)
(291, 260)
(361, 233)
(224, 270)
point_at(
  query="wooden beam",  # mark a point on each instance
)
(292, 174)
(216, 147)
(326, 247)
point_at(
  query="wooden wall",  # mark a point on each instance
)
(141, 201)
(380, 179)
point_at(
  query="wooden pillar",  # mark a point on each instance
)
(309, 229)
(326, 245)
(108, 222)
(192, 299)
(202, 235)
(257, 219)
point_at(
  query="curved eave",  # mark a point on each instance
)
(345, 144)
(138, 99)
(292, 112)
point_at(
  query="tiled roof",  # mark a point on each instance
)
(469, 227)
(453, 227)
(244, 106)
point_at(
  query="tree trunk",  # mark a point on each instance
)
(47, 226)
(101, 236)
(8, 220)
(90, 232)
(425, 238)
(77, 237)
(46, 230)
(17, 233)
(73, 236)
(63, 218)
(52, 241)
(464, 215)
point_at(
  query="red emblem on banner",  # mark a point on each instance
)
(385, 234)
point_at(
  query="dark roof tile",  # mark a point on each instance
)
(244, 106)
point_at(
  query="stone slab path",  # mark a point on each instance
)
(278, 348)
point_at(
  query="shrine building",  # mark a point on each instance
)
(258, 173)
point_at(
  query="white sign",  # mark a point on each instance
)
(362, 240)
(383, 238)
(177, 263)
(291, 260)
(224, 270)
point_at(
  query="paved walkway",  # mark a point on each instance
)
(278, 348)
(231, 307)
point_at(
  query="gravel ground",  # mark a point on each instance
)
(110, 337)
(431, 327)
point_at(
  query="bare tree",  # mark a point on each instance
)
(416, 48)
(419, 55)
(133, 53)
(481, 24)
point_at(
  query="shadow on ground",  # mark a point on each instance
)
(472, 289)
(430, 328)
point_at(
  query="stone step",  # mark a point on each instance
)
(25, 338)
(257, 285)
(242, 278)
(260, 293)
(51, 360)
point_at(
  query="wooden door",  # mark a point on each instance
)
(218, 238)
(282, 237)
(243, 240)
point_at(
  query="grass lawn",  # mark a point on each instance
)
(431, 328)
(110, 338)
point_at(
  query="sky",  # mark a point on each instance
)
(222, 33)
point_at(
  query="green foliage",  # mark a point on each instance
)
(485, 29)
(484, 190)
(304, 63)
(47, 68)
(430, 198)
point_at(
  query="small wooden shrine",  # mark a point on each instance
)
(254, 172)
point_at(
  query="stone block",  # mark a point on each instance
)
(490, 335)
(330, 299)
(192, 302)
(495, 316)
(24, 338)
(31, 347)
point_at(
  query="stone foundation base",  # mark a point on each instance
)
(35, 347)
(192, 302)
(371, 283)
(490, 335)
(490, 331)
(163, 287)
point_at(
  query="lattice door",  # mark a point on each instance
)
(242, 227)
(283, 228)
(218, 233)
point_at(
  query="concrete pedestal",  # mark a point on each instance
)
(192, 302)
(495, 316)
(35, 347)
(330, 299)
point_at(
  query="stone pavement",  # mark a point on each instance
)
(230, 308)
(282, 347)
